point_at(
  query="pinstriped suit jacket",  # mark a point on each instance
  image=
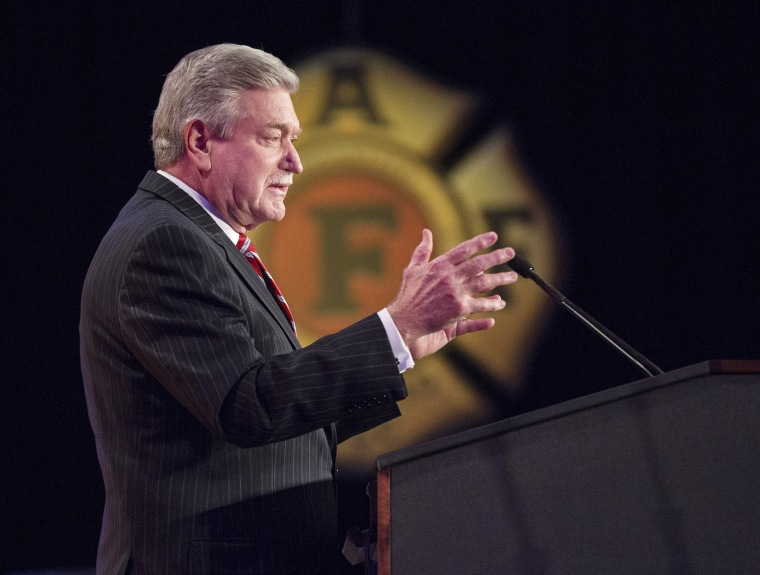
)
(214, 428)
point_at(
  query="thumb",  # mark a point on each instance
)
(421, 254)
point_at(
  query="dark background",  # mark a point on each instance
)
(636, 121)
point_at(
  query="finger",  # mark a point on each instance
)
(468, 248)
(471, 325)
(485, 304)
(486, 282)
(486, 261)
(421, 254)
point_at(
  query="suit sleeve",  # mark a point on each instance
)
(195, 326)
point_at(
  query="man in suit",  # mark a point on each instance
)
(216, 432)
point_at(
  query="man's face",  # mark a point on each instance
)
(251, 171)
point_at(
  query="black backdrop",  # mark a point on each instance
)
(636, 120)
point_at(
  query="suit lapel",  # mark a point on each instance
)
(157, 184)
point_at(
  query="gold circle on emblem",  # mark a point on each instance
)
(373, 135)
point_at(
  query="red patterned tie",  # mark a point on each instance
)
(247, 248)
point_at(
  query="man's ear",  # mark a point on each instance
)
(197, 135)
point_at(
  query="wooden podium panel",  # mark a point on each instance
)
(660, 476)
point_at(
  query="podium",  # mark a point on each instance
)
(658, 476)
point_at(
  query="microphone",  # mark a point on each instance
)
(525, 269)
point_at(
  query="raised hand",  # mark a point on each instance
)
(436, 296)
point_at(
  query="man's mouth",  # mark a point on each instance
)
(283, 185)
(281, 188)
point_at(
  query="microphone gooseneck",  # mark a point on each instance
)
(526, 270)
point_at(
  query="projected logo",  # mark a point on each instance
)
(386, 153)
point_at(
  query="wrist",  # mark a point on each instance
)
(402, 325)
(404, 357)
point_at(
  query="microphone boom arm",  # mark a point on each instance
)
(525, 269)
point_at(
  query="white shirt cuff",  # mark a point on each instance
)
(400, 350)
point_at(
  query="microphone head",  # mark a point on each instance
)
(521, 266)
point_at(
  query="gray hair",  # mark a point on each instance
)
(206, 85)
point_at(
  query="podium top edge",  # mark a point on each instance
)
(709, 367)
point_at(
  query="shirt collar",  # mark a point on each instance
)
(205, 204)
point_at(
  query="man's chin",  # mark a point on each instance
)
(277, 213)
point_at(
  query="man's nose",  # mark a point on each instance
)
(291, 161)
